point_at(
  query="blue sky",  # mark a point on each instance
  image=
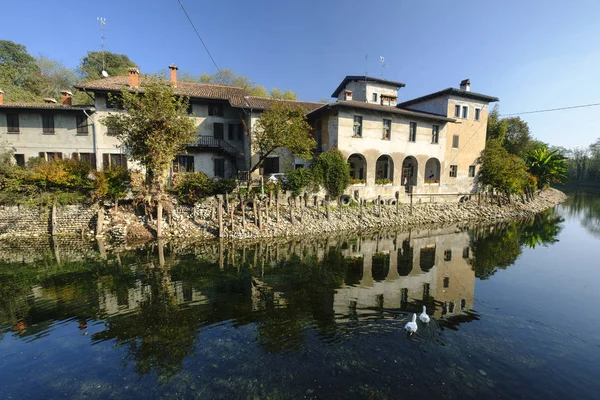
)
(531, 54)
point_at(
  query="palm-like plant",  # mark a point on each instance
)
(547, 166)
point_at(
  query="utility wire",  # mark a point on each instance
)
(551, 109)
(198, 34)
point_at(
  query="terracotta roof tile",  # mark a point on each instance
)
(47, 106)
(266, 102)
(389, 109)
(452, 92)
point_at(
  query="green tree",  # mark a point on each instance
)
(502, 171)
(285, 95)
(282, 126)
(332, 171)
(94, 62)
(154, 130)
(547, 166)
(513, 133)
(19, 73)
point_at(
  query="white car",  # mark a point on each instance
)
(278, 176)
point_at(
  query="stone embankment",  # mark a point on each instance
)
(202, 221)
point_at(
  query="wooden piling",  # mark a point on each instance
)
(100, 221)
(53, 223)
(220, 216)
(254, 210)
(379, 206)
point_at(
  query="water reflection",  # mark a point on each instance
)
(158, 302)
(585, 206)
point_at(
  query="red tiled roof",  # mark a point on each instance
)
(235, 95)
(47, 106)
(388, 109)
(262, 103)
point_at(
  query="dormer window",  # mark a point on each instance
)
(374, 97)
(347, 94)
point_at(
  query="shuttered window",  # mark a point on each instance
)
(219, 164)
(12, 123)
(48, 123)
(82, 125)
(218, 130)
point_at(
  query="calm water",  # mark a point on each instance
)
(514, 311)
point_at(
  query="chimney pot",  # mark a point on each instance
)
(49, 100)
(134, 77)
(66, 97)
(173, 69)
(1, 97)
(465, 84)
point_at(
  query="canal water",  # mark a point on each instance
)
(514, 310)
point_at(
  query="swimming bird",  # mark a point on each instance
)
(411, 327)
(424, 317)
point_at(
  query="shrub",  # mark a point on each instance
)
(383, 181)
(332, 172)
(192, 187)
(223, 185)
(298, 180)
(112, 183)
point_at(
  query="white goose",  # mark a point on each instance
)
(424, 317)
(411, 327)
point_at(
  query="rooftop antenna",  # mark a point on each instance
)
(366, 65)
(383, 65)
(102, 23)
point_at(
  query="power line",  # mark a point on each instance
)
(198, 34)
(551, 109)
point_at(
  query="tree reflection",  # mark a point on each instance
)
(586, 205)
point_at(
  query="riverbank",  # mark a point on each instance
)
(202, 221)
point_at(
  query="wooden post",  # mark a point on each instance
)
(212, 214)
(161, 253)
(220, 216)
(360, 207)
(53, 227)
(269, 204)
(260, 216)
(159, 213)
(379, 206)
(291, 212)
(226, 200)
(243, 212)
(254, 210)
(100, 221)
(277, 207)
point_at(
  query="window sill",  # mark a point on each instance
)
(431, 184)
(435, 143)
(48, 133)
(357, 136)
(13, 133)
(358, 184)
(82, 134)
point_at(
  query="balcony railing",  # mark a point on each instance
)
(214, 143)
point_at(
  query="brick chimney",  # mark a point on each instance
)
(465, 85)
(1, 97)
(66, 97)
(173, 69)
(134, 77)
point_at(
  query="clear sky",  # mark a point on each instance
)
(532, 54)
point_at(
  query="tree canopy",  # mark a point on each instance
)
(91, 65)
(332, 172)
(547, 166)
(513, 133)
(154, 129)
(282, 126)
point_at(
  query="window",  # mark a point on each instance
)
(231, 128)
(219, 164)
(412, 132)
(387, 129)
(50, 156)
(19, 159)
(435, 134)
(12, 123)
(235, 132)
(183, 164)
(89, 158)
(240, 134)
(477, 114)
(218, 130)
(466, 252)
(82, 125)
(357, 127)
(457, 111)
(465, 112)
(375, 97)
(455, 142)
(471, 171)
(114, 160)
(271, 165)
(447, 255)
(215, 109)
(446, 282)
(319, 134)
(48, 123)
(453, 171)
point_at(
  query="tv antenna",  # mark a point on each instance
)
(383, 65)
(102, 23)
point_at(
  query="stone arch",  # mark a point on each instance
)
(358, 166)
(432, 171)
(384, 168)
(410, 171)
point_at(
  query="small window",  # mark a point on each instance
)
(466, 252)
(219, 164)
(12, 123)
(231, 131)
(375, 97)
(457, 111)
(48, 123)
(183, 164)
(118, 160)
(357, 127)
(471, 171)
(446, 282)
(240, 132)
(387, 129)
(82, 125)
(455, 142)
(19, 159)
(319, 134)
(453, 171)
(215, 109)
(435, 134)
(465, 112)
(218, 130)
(412, 132)
(447, 255)
(477, 114)
(51, 156)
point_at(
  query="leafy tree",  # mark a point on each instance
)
(154, 130)
(19, 72)
(299, 179)
(112, 183)
(285, 95)
(282, 126)
(502, 171)
(547, 166)
(332, 172)
(91, 65)
(513, 133)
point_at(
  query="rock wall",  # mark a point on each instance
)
(21, 221)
